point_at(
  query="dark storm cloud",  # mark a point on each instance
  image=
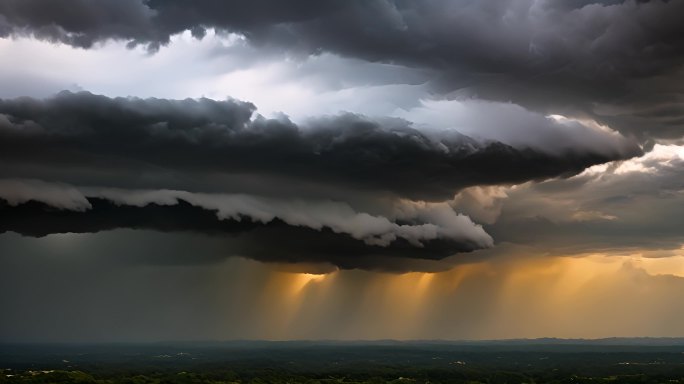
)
(81, 138)
(632, 207)
(585, 58)
(162, 152)
(273, 241)
(421, 222)
(82, 23)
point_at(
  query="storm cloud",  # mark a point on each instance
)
(149, 163)
(354, 168)
(82, 138)
(272, 241)
(617, 62)
(625, 207)
(265, 229)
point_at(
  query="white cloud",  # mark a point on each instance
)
(436, 221)
(516, 126)
(218, 66)
(62, 196)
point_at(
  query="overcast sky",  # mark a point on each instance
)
(341, 169)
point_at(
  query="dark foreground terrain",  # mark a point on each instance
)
(533, 361)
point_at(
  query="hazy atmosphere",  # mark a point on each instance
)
(352, 170)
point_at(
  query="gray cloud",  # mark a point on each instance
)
(522, 129)
(273, 240)
(84, 139)
(16, 192)
(633, 206)
(582, 58)
(315, 214)
(522, 115)
(123, 144)
(79, 23)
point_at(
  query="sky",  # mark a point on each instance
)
(341, 169)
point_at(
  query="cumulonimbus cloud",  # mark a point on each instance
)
(86, 139)
(167, 165)
(256, 227)
(626, 207)
(615, 61)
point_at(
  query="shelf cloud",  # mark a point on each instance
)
(478, 156)
(173, 140)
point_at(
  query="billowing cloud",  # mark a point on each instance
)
(619, 68)
(16, 192)
(262, 228)
(522, 129)
(438, 160)
(345, 190)
(621, 208)
(81, 138)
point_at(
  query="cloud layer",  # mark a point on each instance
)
(125, 142)
(627, 207)
(265, 229)
(477, 140)
(619, 67)
(168, 164)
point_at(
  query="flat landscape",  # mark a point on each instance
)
(515, 361)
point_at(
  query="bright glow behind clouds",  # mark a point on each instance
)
(517, 295)
(217, 67)
(225, 65)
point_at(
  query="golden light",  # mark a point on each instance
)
(309, 277)
(589, 295)
(302, 280)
